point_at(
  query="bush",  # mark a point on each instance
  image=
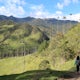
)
(44, 65)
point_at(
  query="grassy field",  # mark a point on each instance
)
(27, 68)
(38, 75)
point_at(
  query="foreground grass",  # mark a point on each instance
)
(37, 75)
(27, 68)
(20, 64)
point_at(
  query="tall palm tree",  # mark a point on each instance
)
(70, 14)
(70, 18)
(79, 20)
(51, 31)
(23, 53)
(63, 28)
(57, 25)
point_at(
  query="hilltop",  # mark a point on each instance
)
(45, 24)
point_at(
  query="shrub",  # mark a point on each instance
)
(44, 65)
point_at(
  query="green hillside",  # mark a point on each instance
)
(52, 25)
(53, 59)
(68, 45)
(17, 39)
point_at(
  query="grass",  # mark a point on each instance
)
(16, 65)
(38, 75)
(1, 37)
(27, 67)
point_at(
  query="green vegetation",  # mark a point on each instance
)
(67, 46)
(43, 46)
(19, 38)
(50, 59)
(14, 68)
(38, 75)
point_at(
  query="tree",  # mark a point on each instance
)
(63, 28)
(44, 65)
(70, 18)
(57, 24)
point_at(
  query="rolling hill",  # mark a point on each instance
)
(58, 56)
(19, 38)
(27, 52)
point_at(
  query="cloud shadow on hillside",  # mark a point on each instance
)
(38, 74)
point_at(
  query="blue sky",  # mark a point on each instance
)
(41, 8)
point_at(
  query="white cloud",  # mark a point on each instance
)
(17, 2)
(0, 0)
(75, 17)
(16, 8)
(39, 11)
(61, 5)
(12, 7)
(3, 10)
(64, 3)
(59, 13)
(37, 7)
(75, 1)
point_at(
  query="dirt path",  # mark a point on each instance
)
(71, 76)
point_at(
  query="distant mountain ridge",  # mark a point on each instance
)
(28, 19)
(2, 17)
(46, 25)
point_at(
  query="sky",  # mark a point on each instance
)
(41, 8)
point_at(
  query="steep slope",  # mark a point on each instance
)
(26, 19)
(17, 39)
(66, 46)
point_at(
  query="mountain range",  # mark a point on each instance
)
(47, 25)
(30, 31)
(33, 20)
(28, 44)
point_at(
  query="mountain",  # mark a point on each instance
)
(57, 58)
(48, 25)
(37, 21)
(2, 17)
(52, 26)
(32, 34)
(17, 36)
(31, 51)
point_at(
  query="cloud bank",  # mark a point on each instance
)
(17, 8)
(12, 7)
(61, 5)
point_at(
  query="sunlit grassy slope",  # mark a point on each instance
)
(28, 63)
(59, 55)
(27, 68)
